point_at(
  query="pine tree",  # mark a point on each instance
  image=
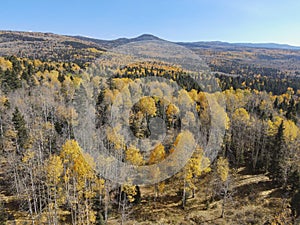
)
(295, 204)
(20, 126)
(10, 81)
(278, 167)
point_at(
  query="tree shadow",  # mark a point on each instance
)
(278, 193)
(252, 189)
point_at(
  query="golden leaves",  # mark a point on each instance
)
(241, 114)
(195, 166)
(5, 64)
(157, 154)
(134, 156)
(291, 131)
(172, 110)
(147, 106)
(120, 83)
(115, 138)
(54, 169)
(130, 190)
(28, 155)
(79, 165)
(223, 168)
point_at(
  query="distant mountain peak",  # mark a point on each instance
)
(146, 37)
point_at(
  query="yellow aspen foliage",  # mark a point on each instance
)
(96, 81)
(176, 142)
(280, 99)
(271, 128)
(161, 187)
(202, 99)
(39, 75)
(9, 144)
(204, 162)
(48, 126)
(137, 120)
(115, 138)
(203, 105)
(5, 64)
(273, 125)
(184, 99)
(223, 168)
(120, 83)
(89, 164)
(93, 50)
(78, 166)
(235, 99)
(77, 81)
(28, 155)
(219, 117)
(130, 190)
(157, 154)
(10, 134)
(81, 167)
(52, 79)
(147, 106)
(291, 131)
(227, 122)
(109, 97)
(37, 63)
(54, 169)
(196, 165)
(68, 82)
(194, 95)
(172, 110)
(67, 113)
(126, 97)
(265, 105)
(91, 215)
(71, 154)
(75, 67)
(192, 168)
(70, 151)
(241, 114)
(156, 92)
(290, 91)
(3, 102)
(134, 156)
(99, 185)
(184, 142)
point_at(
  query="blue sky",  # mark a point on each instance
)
(178, 20)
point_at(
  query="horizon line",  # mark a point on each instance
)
(156, 36)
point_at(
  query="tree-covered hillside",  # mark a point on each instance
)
(49, 176)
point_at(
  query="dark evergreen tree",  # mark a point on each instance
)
(295, 204)
(20, 126)
(276, 103)
(278, 165)
(294, 179)
(10, 81)
(291, 113)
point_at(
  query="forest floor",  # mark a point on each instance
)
(254, 200)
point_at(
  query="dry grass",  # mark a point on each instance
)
(255, 201)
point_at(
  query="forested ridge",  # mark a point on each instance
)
(46, 177)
